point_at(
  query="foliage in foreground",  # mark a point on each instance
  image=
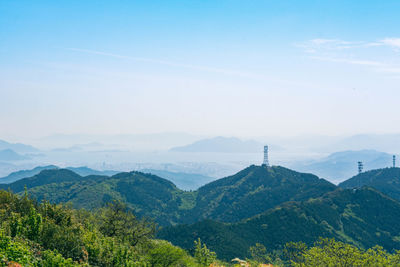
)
(325, 252)
(33, 234)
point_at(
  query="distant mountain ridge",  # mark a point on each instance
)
(221, 145)
(17, 147)
(15, 176)
(339, 166)
(11, 155)
(83, 171)
(184, 181)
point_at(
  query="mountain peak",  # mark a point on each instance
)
(254, 190)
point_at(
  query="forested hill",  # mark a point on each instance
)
(148, 195)
(243, 195)
(254, 190)
(362, 217)
(385, 180)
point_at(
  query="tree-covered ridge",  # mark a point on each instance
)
(362, 217)
(243, 195)
(255, 190)
(385, 180)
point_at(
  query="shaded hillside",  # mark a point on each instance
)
(147, 194)
(254, 190)
(385, 180)
(362, 217)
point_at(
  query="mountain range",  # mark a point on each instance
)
(229, 199)
(266, 205)
(184, 181)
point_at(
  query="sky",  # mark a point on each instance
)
(226, 67)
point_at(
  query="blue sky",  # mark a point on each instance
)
(226, 67)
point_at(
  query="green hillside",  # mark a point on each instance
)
(255, 190)
(385, 180)
(362, 217)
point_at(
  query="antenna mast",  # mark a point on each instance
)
(360, 167)
(266, 161)
(394, 161)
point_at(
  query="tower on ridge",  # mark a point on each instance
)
(265, 161)
(360, 167)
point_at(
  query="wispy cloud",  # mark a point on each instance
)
(352, 61)
(392, 42)
(168, 63)
(255, 76)
(354, 52)
(317, 44)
